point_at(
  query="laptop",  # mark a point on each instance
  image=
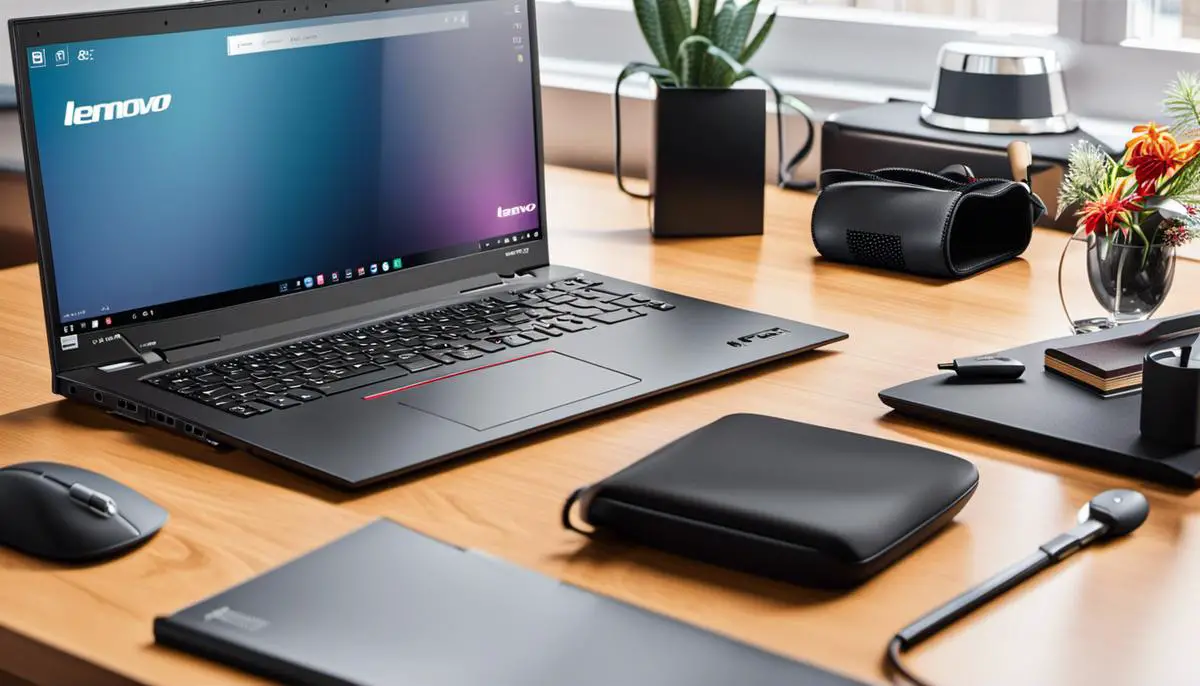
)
(315, 230)
(396, 607)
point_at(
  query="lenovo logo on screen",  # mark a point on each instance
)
(514, 211)
(82, 115)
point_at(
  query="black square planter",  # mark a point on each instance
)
(708, 167)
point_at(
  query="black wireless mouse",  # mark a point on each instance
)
(67, 514)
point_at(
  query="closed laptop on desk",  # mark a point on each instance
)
(386, 606)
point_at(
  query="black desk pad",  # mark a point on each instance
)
(1047, 413)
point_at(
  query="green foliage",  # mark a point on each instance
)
(1182, 103)
(1185, 185)
(1090, 174)
(682, 43)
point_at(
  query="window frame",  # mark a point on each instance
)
(1110, 77)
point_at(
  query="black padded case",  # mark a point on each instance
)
(782, 499)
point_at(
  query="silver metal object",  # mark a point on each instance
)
(987, 60)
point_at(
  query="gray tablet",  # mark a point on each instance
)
(386, 605)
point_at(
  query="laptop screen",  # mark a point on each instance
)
(188, 171)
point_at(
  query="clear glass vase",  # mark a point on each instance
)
(1106, 281)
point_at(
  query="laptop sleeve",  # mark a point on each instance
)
(778, 498)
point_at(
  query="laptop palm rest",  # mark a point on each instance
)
(506, 392)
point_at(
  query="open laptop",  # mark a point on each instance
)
(315, 230)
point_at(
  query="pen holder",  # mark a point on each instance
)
(1171, 397)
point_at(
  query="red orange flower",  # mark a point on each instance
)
(1113, 210)
(1154, 155)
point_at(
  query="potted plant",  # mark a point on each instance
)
(1133, 212)
(708, 163)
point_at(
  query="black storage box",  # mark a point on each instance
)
(786, 500)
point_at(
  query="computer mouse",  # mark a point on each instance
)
(67, 514)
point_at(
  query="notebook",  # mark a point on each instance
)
(387, 605)
(1109, 367)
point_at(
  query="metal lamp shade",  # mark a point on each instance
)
(991, 88)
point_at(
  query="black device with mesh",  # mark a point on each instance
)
(944, 225)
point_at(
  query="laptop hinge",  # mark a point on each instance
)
(142, 358)
(496, 281)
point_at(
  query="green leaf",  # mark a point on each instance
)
(716, 71)
(759, 38)
(675, 29)
(740, 32)
(651, 24)
(706, 12)
(1182, 103)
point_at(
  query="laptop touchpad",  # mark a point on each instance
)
(506, 392)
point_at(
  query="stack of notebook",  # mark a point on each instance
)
(1111, 367)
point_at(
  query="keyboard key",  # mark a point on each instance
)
(487, 346)
(362, 368)
(304, 394)
(547, 329)
(535, 336)
(215, 393)
(568, 326)
(440, 357)
(282, 402)
(515, 341)
(241, 410)
(595, 295)
(628, 301)
(466, 354)
(584, 311)
(258, 405)
(615, 317)
(660, 306)
(343, 385)
(420, 365)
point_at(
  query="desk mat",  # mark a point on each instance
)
(1047, 413)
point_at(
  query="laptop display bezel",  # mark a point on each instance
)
(98, 348)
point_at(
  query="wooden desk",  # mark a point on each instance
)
(1125, 613)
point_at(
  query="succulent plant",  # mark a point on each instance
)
(706, 49)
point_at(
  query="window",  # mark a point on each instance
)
(1120, 54)
(1164, 20)
(1040, 12)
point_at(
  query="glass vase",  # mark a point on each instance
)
(1105, 281)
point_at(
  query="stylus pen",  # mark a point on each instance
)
(1053, 551)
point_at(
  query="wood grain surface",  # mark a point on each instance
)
(1123, 613)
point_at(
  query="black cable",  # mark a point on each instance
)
(893, 659)
(1053, 551)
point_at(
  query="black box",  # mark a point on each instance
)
(707, 174)
(893, 135)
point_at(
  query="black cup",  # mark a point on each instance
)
(1171, 397)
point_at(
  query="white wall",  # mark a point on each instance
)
(11, 9)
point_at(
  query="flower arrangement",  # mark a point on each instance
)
(1158, 174)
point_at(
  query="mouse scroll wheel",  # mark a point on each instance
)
(93, 500)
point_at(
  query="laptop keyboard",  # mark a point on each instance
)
(460, 334)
